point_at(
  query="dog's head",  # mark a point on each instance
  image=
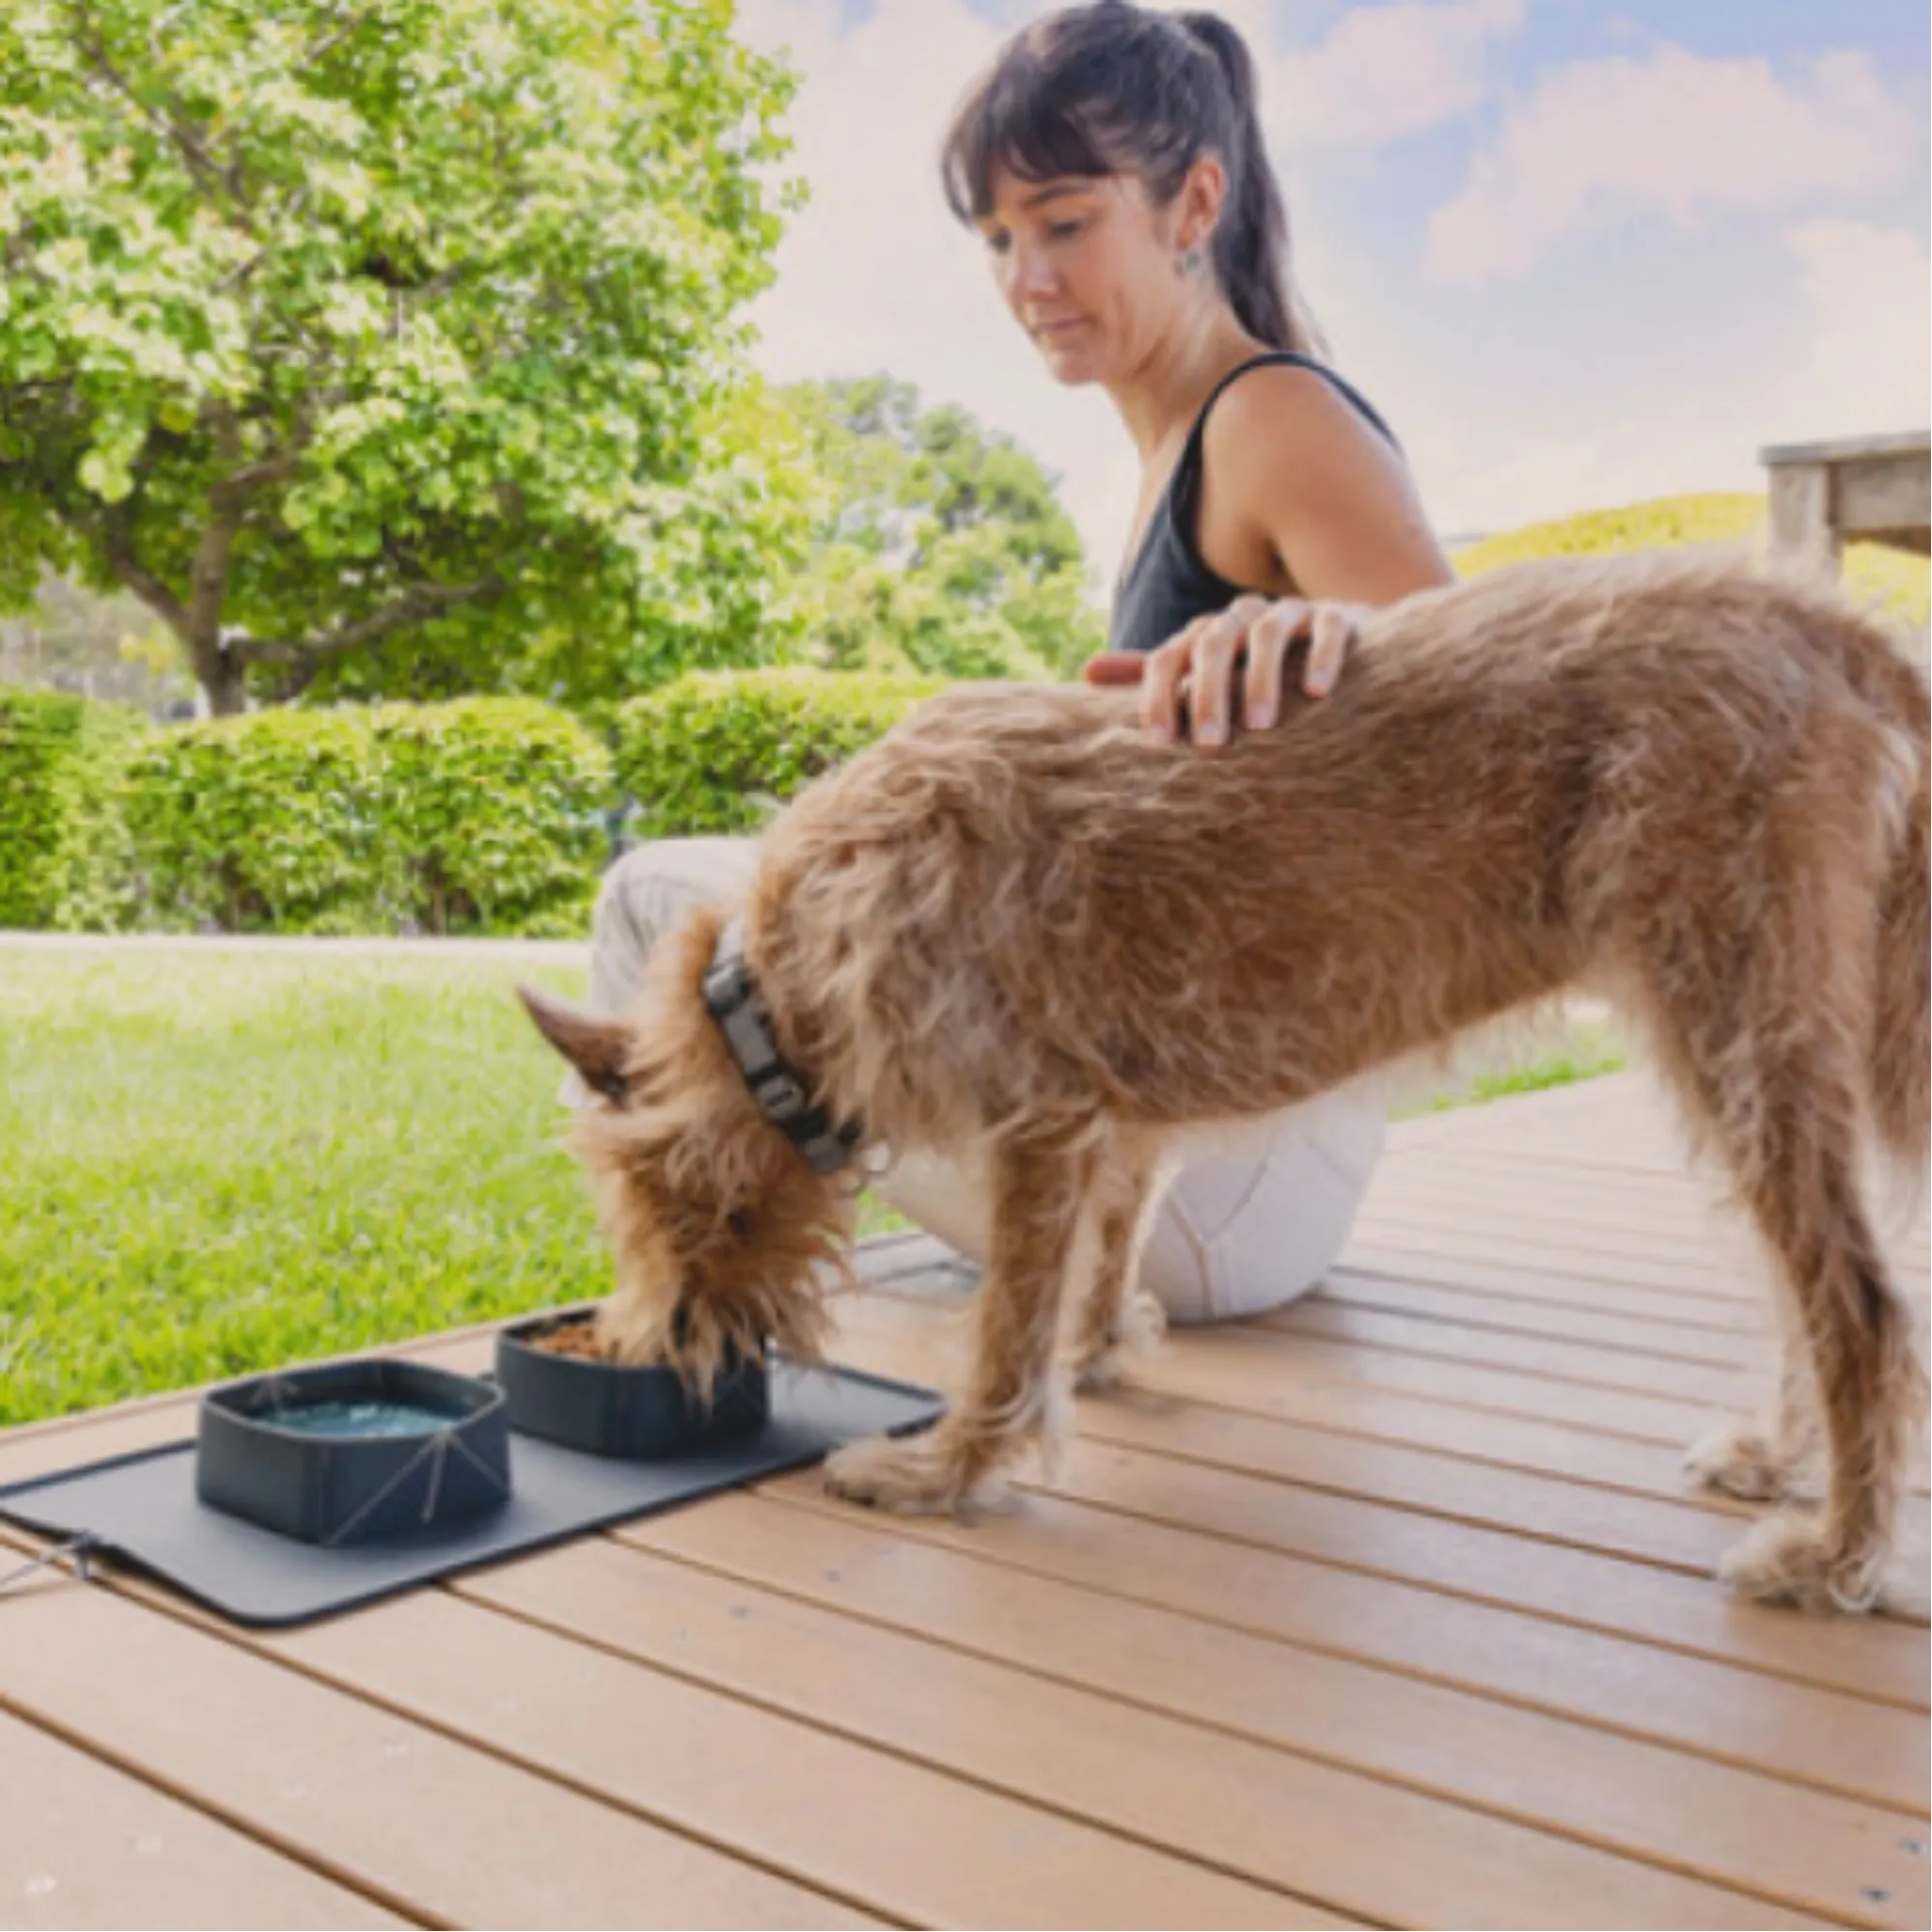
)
(723, 1237)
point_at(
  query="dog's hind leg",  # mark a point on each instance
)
(1115, 1317)
(1762, 1009)
(1788, 1131)
(1902, 1048)
(1040, 1180)
(1857, 1334)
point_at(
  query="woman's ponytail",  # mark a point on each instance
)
(1251, 246)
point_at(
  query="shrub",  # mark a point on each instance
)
(720, 751)
(479, 815)
(267, 822)
(494, 807)
(63, 841)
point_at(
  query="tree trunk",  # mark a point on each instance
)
(220, 675)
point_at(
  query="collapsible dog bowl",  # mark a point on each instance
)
(354, 1452)
(639, 1413)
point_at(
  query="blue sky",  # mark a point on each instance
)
(1579, 253)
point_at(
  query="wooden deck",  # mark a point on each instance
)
(1390, 1610)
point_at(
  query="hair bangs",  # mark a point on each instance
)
(1017, 122)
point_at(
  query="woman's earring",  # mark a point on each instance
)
(1190, 260)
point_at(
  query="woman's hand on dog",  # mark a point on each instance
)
(1226, 671)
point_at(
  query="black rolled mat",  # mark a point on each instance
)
(143, 1507)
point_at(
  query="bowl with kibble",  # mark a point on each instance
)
(563, 1383)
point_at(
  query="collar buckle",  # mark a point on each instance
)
(783, 1095)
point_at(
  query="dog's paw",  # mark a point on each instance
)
(916, 1475)
(1102, 1368)
(1136, 1330)
(1788, 1559)
(1738, 1458)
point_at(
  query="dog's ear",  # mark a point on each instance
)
(596, 1047)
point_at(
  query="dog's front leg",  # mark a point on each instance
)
(1115, 1318)
(1040, 1181)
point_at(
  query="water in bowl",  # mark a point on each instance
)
(358, 1418)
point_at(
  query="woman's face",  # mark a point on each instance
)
(1087, 265)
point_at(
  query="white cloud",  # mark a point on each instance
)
(1867, 291)
(874, 274)
(1672, 135)
(1387, 72)
(1854, 306)
(1498, 475)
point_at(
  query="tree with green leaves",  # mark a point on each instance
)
(939, 545)
(365, 340)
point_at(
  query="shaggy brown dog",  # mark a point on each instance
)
(1017, 923)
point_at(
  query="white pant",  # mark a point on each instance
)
(1251, 1220)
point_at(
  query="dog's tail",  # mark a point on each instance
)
(1901, 1072)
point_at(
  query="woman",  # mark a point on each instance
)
(1113, 164)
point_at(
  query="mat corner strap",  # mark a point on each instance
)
(81, 1548)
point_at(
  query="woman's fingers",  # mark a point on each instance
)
(1211, 695)
(1189, 684)
(1268, 639)
(1161, 685)
(1331, 631)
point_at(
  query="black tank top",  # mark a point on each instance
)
(1167, 585)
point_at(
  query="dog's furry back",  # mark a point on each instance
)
(1016, 921)
(1521, 778)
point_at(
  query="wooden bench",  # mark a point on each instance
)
(1871, 488)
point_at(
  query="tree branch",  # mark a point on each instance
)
(419, 601)
(201, 163)
(231, 492)
(117, 538)
(316, 49)
(254, 477)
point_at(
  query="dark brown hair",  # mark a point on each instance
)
(1114, 89)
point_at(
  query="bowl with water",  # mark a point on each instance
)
(354, 1452)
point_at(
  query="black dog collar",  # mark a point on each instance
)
(732, 999)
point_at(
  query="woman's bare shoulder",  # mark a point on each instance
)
(1284, 419)
(1297, 473)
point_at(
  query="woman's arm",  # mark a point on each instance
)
(1302, 495)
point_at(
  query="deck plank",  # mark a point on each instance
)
(904, 1841)
(1200, 1555)
(1741, 1347)
(449, 1835)
(1429, 1406)
(83, 1844)
(1596, 1364)
(1018, 1589)
(1747, 1315)
(820, 1649)
(1581, 1536)
(1336, 1485)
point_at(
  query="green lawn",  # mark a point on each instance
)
(213, 1163)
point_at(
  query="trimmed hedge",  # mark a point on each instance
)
(269, 822)
(63, 842)
(477, 816)
(494, 808)
(720, 751)
(486, 814)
